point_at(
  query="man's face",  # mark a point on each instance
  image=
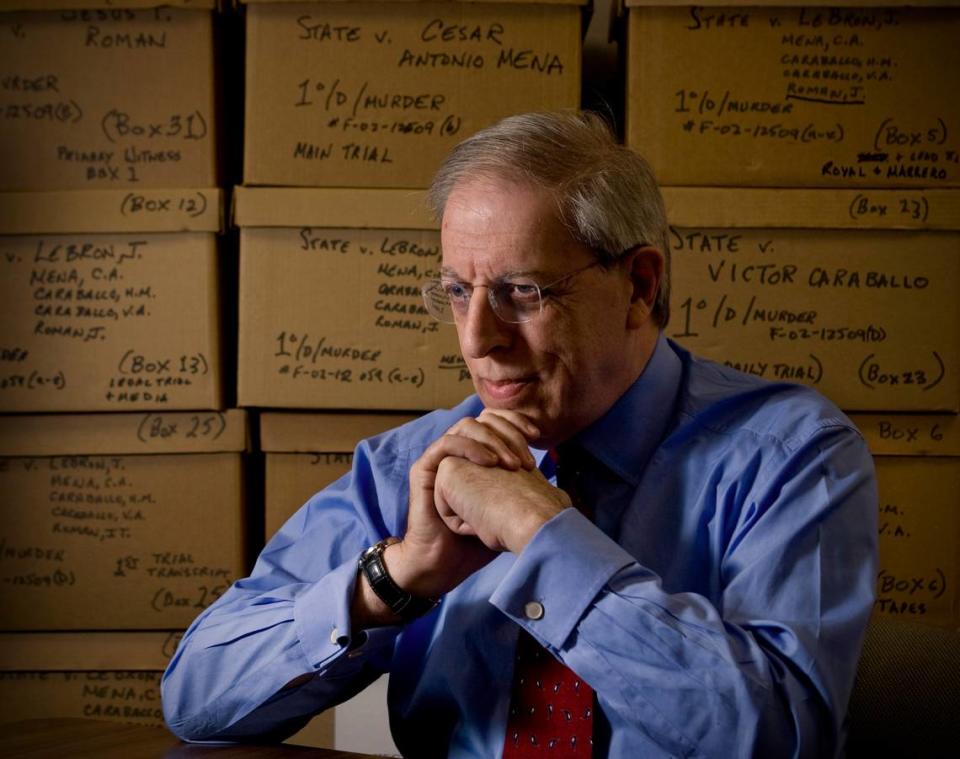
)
(568, 365)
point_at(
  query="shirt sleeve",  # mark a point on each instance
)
(765, 667)
(278, 646)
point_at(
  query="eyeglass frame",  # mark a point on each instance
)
(428, 286)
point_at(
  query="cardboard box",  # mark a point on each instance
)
(112, 676)
(59, 5)
(99, 675)
(107, 98)
(869, 317)
(331, 314)
(118, 521)
(795, 96)
(918, 474)
(375, 94)
(307, 452)
(102, 321)
(114, 695)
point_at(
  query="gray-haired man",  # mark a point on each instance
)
(707, 596)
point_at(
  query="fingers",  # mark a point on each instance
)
(514, 429)
(457, 526)
(503, 433)
(453, 476)
(502, 508)
(456, 445)
(495, 438)
(451, 519)
(514, 418)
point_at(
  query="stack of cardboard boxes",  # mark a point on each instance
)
(110, 305)
(811, 160)
(368, 98)
(350, 107)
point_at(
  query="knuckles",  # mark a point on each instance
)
(450, 467)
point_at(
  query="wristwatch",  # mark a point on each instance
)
(405, 605)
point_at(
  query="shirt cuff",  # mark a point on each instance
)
(557, 576)
(321, 616)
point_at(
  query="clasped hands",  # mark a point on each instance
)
(474, 493)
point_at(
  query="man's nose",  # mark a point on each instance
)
(481, 330)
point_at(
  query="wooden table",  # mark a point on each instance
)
(95, 739)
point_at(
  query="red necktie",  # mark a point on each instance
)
(551, 708)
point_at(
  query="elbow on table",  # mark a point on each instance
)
(183, 718)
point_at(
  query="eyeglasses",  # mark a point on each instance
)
(514, 299)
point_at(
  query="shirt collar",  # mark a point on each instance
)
(626, 436)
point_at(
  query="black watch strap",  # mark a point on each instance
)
(405, 605)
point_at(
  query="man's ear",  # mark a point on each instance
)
(644, 265)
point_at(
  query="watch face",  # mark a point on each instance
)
(375, 571)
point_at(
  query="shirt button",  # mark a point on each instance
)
(335, 637)
(533, 610)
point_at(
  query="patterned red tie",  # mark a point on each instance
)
(551, 709)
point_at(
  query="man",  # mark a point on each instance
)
(711, 586)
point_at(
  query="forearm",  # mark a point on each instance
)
(670, 667)
(253, 649)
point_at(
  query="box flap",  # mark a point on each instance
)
(810, 208)
(507, 2)
(331, 207)
(77, 211)
(790, 3)
(122, 434)
(75, 651)
(322, 433)
(57, 5)
(910, 434)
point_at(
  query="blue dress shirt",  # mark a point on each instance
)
(716, 604)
